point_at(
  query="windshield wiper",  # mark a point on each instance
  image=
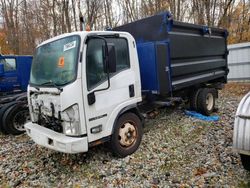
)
(51, 83)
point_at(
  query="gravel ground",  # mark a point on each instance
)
(176, 151)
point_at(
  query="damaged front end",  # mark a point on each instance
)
(46, 111)
(53, 126)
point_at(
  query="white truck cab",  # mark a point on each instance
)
(84, 90)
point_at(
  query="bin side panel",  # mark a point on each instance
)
(153, 28)
(186, 46)
(197, 59)
(198, 53)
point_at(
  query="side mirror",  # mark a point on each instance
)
(1, 69)
(111, 64)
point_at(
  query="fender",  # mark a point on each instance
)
(131, 108)
(19, 98)
(22, 97)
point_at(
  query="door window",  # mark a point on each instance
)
(95, 60)
(9, 64)
(95, 63)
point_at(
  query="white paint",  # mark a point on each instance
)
(104, 100)
(109, 102)
(58, 142)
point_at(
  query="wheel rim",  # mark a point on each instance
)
(209, 101)
(127, 134)
(20, 119)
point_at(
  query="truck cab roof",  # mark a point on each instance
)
(83, 34)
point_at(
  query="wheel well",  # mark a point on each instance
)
(132, 109)
(135, 111)
(203, 87)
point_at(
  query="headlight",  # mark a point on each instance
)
(71, 121)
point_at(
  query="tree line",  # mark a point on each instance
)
(26, 23)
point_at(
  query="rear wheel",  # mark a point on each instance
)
(193, 99)
(245, 160)
(15, 118)
(127, 135)
(206, 100)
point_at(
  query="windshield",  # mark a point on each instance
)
(55, 63)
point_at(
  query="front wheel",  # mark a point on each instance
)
(245, 160)
(127, 135)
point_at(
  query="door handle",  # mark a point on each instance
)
(131, 90)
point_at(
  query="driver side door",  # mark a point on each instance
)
(109, 99)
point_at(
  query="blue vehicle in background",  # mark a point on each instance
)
(14, 78)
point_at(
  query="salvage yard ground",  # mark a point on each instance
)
(176, 151)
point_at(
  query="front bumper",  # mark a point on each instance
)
(56, 141)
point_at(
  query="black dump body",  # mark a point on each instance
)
(175, 55)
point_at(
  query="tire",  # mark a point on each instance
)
(127, 135)
(206, 101)
(14, 119)
(193, 99)
(245, 160)
(2, 112)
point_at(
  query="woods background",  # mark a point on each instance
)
(26, 23)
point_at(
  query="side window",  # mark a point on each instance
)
(122, 54)
(94, 59)
(94, 63)
(9, 64)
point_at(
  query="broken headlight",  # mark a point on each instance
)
(71, 121)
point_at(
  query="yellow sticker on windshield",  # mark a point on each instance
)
(61, 62)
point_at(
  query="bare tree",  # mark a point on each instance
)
(29, 22)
